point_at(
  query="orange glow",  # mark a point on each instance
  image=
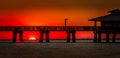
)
(49, 17)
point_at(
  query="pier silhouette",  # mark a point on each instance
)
(110, 24)
(46, 30)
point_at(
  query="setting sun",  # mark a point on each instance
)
(32, 38)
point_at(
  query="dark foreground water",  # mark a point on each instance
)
(60, 50)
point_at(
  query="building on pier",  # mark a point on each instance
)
(110, 24)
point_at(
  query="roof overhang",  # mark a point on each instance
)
(113, 16)
(107, 18)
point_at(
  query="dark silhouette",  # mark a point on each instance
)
(109, 24)
(66, 22)
(42, 32)
(20, 32)
(46, 30)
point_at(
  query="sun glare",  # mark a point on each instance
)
(32, 38)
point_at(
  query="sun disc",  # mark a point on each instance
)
(32, 38)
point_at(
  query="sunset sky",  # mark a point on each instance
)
(53, 13)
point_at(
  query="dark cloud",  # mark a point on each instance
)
(14, 4)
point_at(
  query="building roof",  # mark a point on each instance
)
(113, 16)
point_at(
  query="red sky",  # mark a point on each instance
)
(53, 12)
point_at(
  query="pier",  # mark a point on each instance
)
(46, 30)
(110, 24)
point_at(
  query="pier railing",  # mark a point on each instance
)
(50, 28)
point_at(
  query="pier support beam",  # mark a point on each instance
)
(47, 36)
(95, 37)
(73, 36)
(14, 36)
(95, 32)
(21, 36)
(15, 32)
(42, 32)
(68, 36)
(99, 37)
(41, 36)
(114, 38)
(69, 32)
(107, 38)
